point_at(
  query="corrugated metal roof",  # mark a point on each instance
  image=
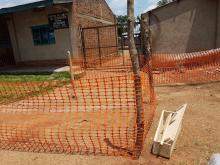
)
(39, 4)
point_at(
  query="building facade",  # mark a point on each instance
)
(42, 32)
(6, 51)
(185, 26)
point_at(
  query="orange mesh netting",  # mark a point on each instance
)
(186, 68)
(95, 113)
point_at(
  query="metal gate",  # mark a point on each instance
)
(101, 48)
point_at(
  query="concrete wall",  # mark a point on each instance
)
(21, 35)
(89, 13)
(218, 26)
(184, 26)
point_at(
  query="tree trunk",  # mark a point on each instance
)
(146, 36)
(137, 79)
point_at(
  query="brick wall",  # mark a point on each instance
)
(94, 13)
(94, 8)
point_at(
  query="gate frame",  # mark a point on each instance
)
(119, 45)
(99, 42)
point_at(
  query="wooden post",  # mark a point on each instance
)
(99, 47)
(116, 39)
(146, 38)
(122, 49)
(137, 79)
(83, 48)
(71, 65)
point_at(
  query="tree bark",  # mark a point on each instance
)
(137, 78)
(132, 47)
(146, 35)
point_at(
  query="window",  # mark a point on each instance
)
(43, 35)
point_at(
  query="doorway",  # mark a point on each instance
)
(6, 51)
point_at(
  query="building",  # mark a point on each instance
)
(41, 33)
(185, 26)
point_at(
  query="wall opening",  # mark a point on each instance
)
(6, 51)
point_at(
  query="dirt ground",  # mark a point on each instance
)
(199, 138)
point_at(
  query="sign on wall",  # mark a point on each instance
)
(58, 20)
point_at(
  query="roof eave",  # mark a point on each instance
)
(39, 4)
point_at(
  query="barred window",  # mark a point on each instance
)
(43, 35)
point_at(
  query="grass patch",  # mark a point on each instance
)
(17, 87)
(35, 77)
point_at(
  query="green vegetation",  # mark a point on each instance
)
(18, 87)
(34, 77)
(122, 23)
(162, 2)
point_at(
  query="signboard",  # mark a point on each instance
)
(58, 20)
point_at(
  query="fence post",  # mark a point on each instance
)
(137, 80)
(83, 47)
(116, 39)
(99, 47)
(122, 49)
(70, 64)
(146, 37)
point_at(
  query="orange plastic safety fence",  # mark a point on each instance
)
(109, 61)
(148, 96)
(186, 68)
(95, 113)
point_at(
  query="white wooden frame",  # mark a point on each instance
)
(167, 132)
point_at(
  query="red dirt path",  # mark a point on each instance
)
(198, 139)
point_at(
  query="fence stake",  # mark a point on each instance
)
(100, 52)
(84, 47)
(70, 64)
